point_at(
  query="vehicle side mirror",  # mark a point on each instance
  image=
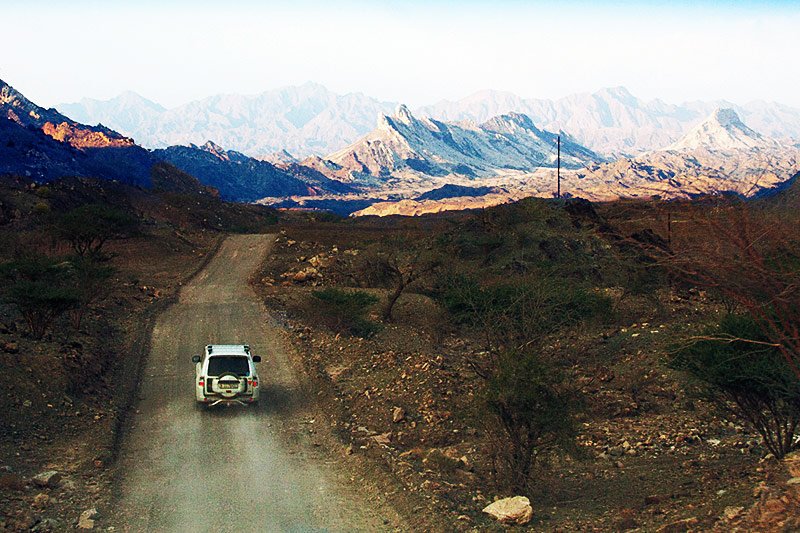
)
(195, 359)
(256, 358)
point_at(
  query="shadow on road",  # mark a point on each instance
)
(275, 399)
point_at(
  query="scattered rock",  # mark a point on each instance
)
(680, 526)
(49, 479)
(41, 499)
(792, 462)
(732, 512)
(383, 439)
(48, 525)
(10, 347)
(398, 414)
(515, 510)
(87, 518)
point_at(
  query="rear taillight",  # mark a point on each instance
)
(201, 383)
(254, 383)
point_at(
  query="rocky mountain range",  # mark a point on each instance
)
(614, 122)
(45, 145)
(403, 147)
(240, 178)
(311, 120)
(407, 165)
(305, 119)
(720, 155)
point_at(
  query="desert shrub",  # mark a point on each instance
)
(530, 406)
(398, 264)
(534, 412)
(345, 311)
(42, 290)
(89, 282)
(88, 227)
(749, 257)
(513, 313)
(744, 372)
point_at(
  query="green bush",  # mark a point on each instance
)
(520, 310)
(88, 227)
(345, 311)
(534, 411)
(742, 372)
(41, 288)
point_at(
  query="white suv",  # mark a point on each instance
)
(226, 373)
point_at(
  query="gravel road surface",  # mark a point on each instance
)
(256, 468)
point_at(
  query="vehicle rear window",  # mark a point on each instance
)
(223, 365)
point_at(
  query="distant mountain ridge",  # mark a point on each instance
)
(45, 145)
(613, 121)
(723, 131)
(311, 120)
(305, 119)
(240, 178)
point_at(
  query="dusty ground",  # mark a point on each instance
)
(264, 468)
(76, 433)
(653, 453)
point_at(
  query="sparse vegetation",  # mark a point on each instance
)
(345, 311)
(534, 409)
(88, 227)
(41, 289)
(744, 373)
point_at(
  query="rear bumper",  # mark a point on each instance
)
(216, 400)
(241, 401)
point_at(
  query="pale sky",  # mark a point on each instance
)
(416, 52)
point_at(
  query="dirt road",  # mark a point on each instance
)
(231, 469)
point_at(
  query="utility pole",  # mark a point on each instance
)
(558, 170)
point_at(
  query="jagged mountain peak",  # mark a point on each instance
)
(403, 114)
(727, 118)
(211, 146)
(723, 130)
(509, 123)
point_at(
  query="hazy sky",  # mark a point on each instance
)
(415, 52)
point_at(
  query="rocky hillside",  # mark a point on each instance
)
(721, 154)
(240, 178)
(306, 119)
(16, 107)
(45, 145)
(405, 147)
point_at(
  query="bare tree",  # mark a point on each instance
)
(398, 264)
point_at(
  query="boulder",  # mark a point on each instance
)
(49, 479)
(87, 518)
(515, 510)
(398, 414)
